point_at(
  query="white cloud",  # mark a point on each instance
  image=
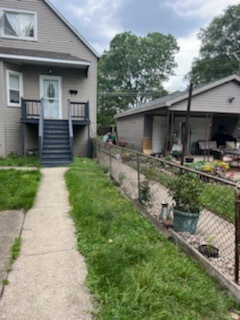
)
(98, 15)
(100, 20)
(202, 8)
(189, 48)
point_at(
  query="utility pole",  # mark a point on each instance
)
(238, 60)
(185, 138)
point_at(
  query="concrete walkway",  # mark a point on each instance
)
(47, 280)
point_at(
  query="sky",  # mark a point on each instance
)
(98, 21)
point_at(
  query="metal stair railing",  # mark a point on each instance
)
(41, 129)
(70, 128)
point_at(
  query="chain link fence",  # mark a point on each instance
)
(149, 180)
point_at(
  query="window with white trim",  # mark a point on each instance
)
(14, 88)
(18, 24)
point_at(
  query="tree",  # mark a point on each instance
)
(219, 42)
(132, 72)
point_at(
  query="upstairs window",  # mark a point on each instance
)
(14, 88)
(18, 25)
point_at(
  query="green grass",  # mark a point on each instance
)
(18, 188)
(18, 161)
(133, 271)
(219, 199)
(5, 282)
(15, 250)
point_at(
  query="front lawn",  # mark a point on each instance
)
(133, 271)
(18, 161)
(18, 188)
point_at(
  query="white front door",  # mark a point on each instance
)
(50, 91)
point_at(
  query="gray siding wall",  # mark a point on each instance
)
(214, 100)
(81, 142)
(13, 132)
(53, 35)
(12, 118)
(131, 130)
(12, 125)
(31, 137)
(148, 126)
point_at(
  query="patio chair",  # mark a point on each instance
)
(177, 150)
(219, 155)
(205, 146)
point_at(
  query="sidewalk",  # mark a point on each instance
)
(47, 280)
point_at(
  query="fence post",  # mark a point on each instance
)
(138, 176)
(110, 160)
(237, 231)
(97, 148)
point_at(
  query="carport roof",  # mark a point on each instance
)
(169, 100)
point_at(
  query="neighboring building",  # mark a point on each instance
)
(48, 83)
(162, 121)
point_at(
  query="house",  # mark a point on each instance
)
(159, 124)
(48, 75)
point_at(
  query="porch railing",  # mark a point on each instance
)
(31, 109)
(70, 128)
(79, 110)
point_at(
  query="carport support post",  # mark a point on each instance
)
(166, 142)
(138, 176)
(185, 138)
(237, 231)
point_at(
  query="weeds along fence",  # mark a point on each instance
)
(148, 180)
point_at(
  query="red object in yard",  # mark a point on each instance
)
(122, 143)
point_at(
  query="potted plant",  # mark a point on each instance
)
(186, 190)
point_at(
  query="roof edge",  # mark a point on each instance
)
(173, 99)
(74, 30)
(42, 59)
(205, 87)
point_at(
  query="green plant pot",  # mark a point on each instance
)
(185, 221)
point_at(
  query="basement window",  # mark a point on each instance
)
(18, 24)
(14, 88)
